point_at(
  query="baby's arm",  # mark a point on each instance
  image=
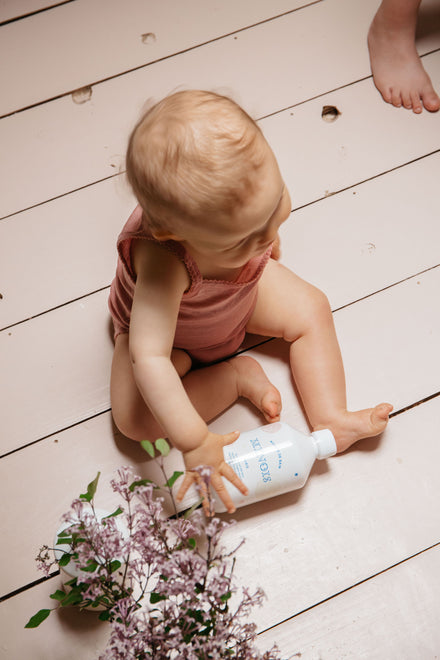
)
(161, 282)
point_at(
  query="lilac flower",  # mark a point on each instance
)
(166, 586)
(44, 560)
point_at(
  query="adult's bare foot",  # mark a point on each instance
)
(398, 72)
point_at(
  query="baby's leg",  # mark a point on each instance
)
(398, 72)
(290, 308)
(211, 390)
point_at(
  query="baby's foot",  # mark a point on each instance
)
(397, 69)
(253, 384)
(349, 427)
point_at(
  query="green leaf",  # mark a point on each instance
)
(192, 543)
(197, 615)
(74, 597)
(148, 447)
(104, 616)
(38, 618)
(65, 540)
(172, 480)
(115, 513)
(225, 596)
(162, 446)
(91, 489)
(58, 595)
(64, 533)
(114, 565)
(190, 511)
(64, 560)
(91, 566)
(141, 482)
(156, 598)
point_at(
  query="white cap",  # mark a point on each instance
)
(325, 443)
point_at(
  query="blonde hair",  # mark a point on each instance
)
(192, 156)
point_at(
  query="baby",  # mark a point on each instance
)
(196, 271)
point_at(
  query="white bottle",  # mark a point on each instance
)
(272, 460)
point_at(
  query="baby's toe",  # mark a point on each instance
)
(379, 417)
(271, 405)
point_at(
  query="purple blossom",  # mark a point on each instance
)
(167, 584)
(44, 560)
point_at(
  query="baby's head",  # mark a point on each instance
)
(192, 156)
(204, 175)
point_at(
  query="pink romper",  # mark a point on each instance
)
(213, 313)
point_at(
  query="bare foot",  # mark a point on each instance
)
(397, 69)
(349, 427)
(253, 384)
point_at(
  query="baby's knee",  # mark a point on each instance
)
(133, 419)
(318, 313)
(320, 305)
(137, 429)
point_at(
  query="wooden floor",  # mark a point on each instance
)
(351, 564)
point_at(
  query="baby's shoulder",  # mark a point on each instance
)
(153, 260)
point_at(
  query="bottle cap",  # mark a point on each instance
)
(325, 443)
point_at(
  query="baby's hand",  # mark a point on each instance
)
(210, 452)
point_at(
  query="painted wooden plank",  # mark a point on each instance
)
(369, 231)
(57, 365)
(360, 513)
(395, 616)
(61, 637)
(75, 145)
(380, 498)
(41, 249)
(83, 42)
(301, 548)
(365, 238)
(70, 345)
(59, 134)
(319, 158)
(12, 9)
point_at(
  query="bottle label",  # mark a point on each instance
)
(271, 460)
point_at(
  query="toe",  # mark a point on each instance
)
(431, 102)
(396, 99)
(416, 103)
(407, 100)
(381, 413)
(271, 403)
(386, 95)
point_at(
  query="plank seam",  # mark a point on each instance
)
(161, 59)
(64, 194)
(357, 584)
(53, 309)
(371, 178)
(35, 583)
(410, 406)
(385, 288)
(296, 208)
(104, 288)
(332, 91)
(33, 13)
(54, 433)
